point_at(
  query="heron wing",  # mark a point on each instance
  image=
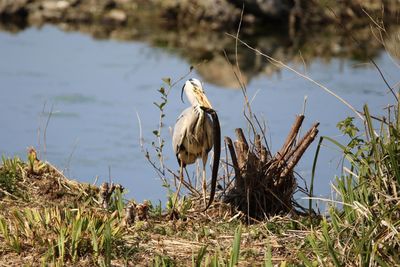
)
(180, 129)
(190, 142)
(182, 136)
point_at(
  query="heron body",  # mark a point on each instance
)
(194, 132)
(192, 138)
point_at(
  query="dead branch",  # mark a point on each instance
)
(265, 185)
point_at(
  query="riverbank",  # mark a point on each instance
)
(212, 14)
(46, 218)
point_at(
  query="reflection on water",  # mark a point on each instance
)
(95, 89)
(74, 98)
(214, 52)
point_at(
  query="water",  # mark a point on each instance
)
(95, 91)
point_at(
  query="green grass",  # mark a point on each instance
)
(364, 229)
(9, 175)
(64, 235)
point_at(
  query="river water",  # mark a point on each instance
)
(95, 91)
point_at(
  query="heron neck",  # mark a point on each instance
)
(199, 111)
(192, 99)
(200, 119)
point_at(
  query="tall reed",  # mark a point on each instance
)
(364, 223)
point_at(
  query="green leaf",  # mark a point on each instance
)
(167, 81)
(200, 255)
(268, 257)
(236, 247)
(107, 243)
(162, 105)
(347, 127)
(305, 261)
(157, 105)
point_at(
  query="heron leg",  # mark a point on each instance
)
(204, 184)
(179, 186)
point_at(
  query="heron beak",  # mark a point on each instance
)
(203, 100)
(183, 87)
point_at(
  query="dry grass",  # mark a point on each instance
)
(46, 214)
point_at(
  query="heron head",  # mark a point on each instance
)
(195, 93)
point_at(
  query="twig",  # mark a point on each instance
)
(39, 128)
(376, 23)
(291, 137)
(384, 79)
(141, 140)
(45, 131)
(67, 167)
(7, 193)
(263, 135)
(229, 143)
(242, 138)
(240, 79)
(95, 180)
(370, 59)
(186, 184)
(301, 148)
(281, 64)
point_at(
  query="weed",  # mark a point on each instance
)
(67, 234)
(155, 211)
(363, 229)
(10, 174)
(236, 247)
(163, 261)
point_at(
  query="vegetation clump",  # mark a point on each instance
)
(364, 223)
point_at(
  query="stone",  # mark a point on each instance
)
(117, 15)
(55, 5)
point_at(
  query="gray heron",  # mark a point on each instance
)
(195, 133)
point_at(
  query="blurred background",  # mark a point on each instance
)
(78, 78)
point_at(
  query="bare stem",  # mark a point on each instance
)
(281, 64)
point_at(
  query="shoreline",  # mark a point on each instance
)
(210, 15)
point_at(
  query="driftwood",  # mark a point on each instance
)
(264, 184)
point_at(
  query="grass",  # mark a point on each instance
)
(9, 175)
(364, 229)
(45, 216)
